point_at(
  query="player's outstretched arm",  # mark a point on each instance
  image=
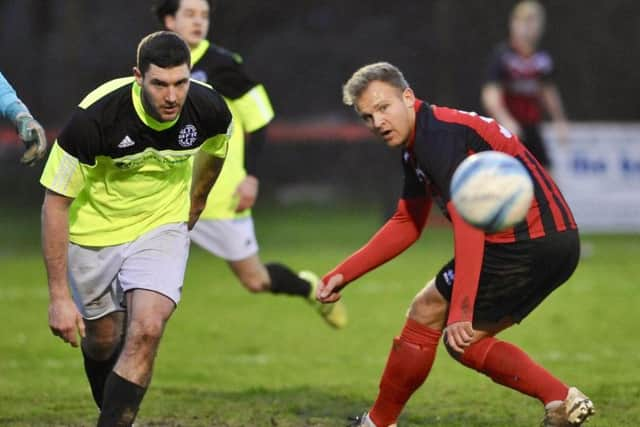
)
(206, 169)
(400, 232)
(65, 320)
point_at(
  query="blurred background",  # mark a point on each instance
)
(55, 51)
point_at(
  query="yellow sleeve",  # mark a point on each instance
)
(254, 109)
(218, 145)
(62, 173)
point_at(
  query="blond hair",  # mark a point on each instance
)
(379, 71)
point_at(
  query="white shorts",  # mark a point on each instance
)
(100, 276)
(229, 239)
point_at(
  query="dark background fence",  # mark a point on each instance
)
(55, 51)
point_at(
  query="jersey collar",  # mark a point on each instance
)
(143, 115)
(198, 52)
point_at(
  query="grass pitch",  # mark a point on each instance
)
(233, 359)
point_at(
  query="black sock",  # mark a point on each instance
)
(121, 402)
(285, 281)
(97, 372)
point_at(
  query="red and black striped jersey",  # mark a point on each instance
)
(520, 77)
(444, 137)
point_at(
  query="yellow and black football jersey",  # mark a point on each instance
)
(127, 172)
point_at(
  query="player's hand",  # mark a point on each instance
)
(66, 321)
(34, 138)
(330, 292)
(460, 336)
(247, 192)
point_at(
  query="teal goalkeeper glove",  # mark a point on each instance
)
(33, 136)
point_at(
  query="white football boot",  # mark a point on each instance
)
(573, 411)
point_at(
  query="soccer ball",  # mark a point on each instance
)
(492, 190)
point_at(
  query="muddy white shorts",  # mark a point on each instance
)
(229, 239)
(155, 261)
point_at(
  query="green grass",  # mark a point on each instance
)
(233, 359)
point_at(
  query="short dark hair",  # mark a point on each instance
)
(165, 49)
(163, 8)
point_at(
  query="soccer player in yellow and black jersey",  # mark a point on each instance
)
(125, 180)
(226, 228)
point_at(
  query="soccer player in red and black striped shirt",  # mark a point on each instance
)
(519, 85)
(493, 281)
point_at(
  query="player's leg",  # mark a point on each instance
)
(251, 273)
(234, 240)
(509, 365)
(512, 294)
(97, 295)
(151, 277)
(273, 277)
(411, 356)
(128, 382)
(279, 279)
(100, 350)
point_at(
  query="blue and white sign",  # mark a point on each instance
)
(598, 170)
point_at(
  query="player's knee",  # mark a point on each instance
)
(100, 347)
(428, 309)
(146, 330)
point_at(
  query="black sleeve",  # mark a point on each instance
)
(230, 77)
(255, 144)
(80, 137)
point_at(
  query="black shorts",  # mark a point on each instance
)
(516, 277)
(532, 139)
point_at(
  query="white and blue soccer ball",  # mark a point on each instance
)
(492, 190)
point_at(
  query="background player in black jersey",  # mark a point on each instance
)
(493, 281)
(122, 193)
(226, 226)
(519, 84)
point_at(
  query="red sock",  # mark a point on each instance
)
(506, 364)
(408, 365)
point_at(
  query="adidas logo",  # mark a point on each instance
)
(126, 142)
